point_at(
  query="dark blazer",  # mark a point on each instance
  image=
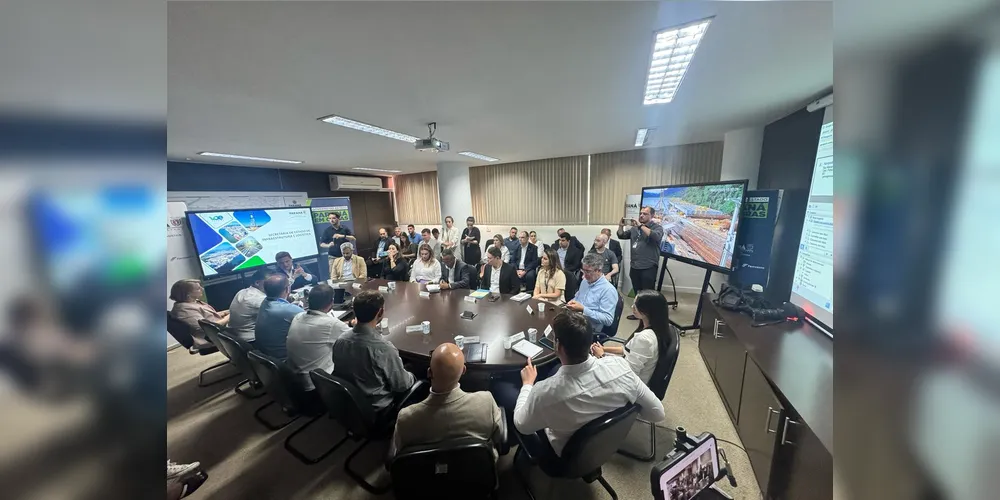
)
(471, 253)
(463, 272)
(531, 260)
(508, 278)
(615, 247)
(573, 242)
(574, 259)
(399, 273)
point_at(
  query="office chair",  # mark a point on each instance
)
(612, 329)
(455, 469)
(572, 285)
(587, 450)
(182, 334)
(282, 385)
(658, 382)
(349, 406)
(238, 351)
(212, 331)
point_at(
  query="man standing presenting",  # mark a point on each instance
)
(645, 236)
(334, 236)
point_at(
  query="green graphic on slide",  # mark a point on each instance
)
(251, 262)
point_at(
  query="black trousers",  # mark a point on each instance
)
(529, 280)
(643, 279)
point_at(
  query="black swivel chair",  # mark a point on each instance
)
(238, 351)
(587, 450)
(658, 383)
(181, 332)
(455, 469)
(212, 331)
(612, 329)
(572, 285)
(282, 385)
(349, 406)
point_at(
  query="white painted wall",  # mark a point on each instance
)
(454, 192)
(741, 154)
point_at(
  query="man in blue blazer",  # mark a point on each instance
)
(524, 259)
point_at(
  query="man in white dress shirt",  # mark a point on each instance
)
(245, 306)
(583, 389)
(312, 334)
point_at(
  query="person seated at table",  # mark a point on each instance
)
(413, 234)
(245, 307)
(572, 240)
(524, 259)
(275, 317)
(498, 276)
(188, 308)
(610, 266)
(550, 285)
(643, 350)
(581, 390)
(365, 358)
(408, 248)
(397, 235)
(311, 337)
(432, 241)
(426, 269)
(395, 268)
(378, 258)
(541, 247)
(454, 272)
(297, 276)
(448, 412)
(498, 244)
(597, 297)
(613, 245)
(349, 267)
(569, 255)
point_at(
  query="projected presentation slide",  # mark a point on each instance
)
(699, 222)
(812, 284)
(233, 241)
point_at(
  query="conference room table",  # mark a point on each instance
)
(493, 322)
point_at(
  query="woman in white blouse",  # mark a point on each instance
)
(643, 350)
(450, 235)
(504, 252)
(426, 269)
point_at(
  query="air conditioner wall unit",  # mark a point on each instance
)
(354, 183)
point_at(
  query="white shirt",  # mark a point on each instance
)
(429, 272)
(495, 279)
(452, 235)
(641, 354)
(541, 250)
(435, 245)
(450, 271)
(310, 343)
(348, 269)
(504, 253)
(577, 394)
(523, 252)
(243, 313)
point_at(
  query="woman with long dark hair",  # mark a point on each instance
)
(644, 349)
(396, 268)
(551, 282)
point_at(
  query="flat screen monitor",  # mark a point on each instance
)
(700, 221)
(231, 241)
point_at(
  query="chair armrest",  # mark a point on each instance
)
(504, 447)
(414, 389)
(613, 339)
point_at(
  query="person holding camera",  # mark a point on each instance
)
(645, 236)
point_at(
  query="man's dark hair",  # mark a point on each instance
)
(652, 211)
(447, 251)
(514, 228)
(435, 232)
(281, 255)
(275, 285)
(494, 251)
(573, 332)
(425, 230)
(320, 297)
(335, 214)
(470, 218)
(367, 304)
(565, 236)
(560, 231)
(409, 226)
(260, 275)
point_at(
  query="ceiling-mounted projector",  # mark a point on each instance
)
(431, 143)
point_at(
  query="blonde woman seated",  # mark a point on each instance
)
(426, 269)
(189, 308)
(349, 267)
(550, 285)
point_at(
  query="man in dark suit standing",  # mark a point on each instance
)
(570, 255)
(454, 272)
(524, 258)
(613, 245)
(499, 276)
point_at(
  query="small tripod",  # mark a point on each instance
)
(685, 444)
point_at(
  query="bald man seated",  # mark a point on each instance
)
(448, 412)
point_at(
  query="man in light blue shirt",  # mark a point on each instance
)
(275, 317)
(597, 297)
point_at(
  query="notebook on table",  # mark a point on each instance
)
(475, 352)
(527, 349)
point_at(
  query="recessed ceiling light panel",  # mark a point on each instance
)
(378, 170)
(642, 136)
(242, 157)
(478, 156)
(673, 49)
(371, 129)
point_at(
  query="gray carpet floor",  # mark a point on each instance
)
(244, 460)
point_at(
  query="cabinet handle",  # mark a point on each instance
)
(767, 424)
(716, 334)
(784, 432)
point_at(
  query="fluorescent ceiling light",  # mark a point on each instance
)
(378, 170)
(478, 156)
(642, 136)
(364, 127)
(673, 49)
(241, 157)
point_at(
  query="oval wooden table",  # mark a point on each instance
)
(494, 320)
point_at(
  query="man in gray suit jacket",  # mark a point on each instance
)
(448, 412)
(454, 272)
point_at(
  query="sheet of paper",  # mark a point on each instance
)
(413, 329)
(516, 337)
(472, 340)
(527, 349)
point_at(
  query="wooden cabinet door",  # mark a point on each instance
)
(810, 475)
(759, 424)
(706, 337)
(730, 361)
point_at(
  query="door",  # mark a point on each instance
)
(810, 476)
(706, 337)
(730, 361)
(760, 422)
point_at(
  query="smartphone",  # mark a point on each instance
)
(683, 475)
(468, 315)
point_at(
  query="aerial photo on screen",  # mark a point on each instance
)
(699, 222)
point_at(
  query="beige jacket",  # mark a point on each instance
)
(359, 268)
(456, 414)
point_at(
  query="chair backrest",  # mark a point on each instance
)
(179, 331)
(665, 363)
(458, 468)
(277, 381)
(345, 403)
(595, 442)
(613, 328)
(238, 351)
(212, 331)
(572, 285)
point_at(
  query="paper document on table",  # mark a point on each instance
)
(527, 349)
(478, 294)
(521, 297)
(413, 328)
(339, 314)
